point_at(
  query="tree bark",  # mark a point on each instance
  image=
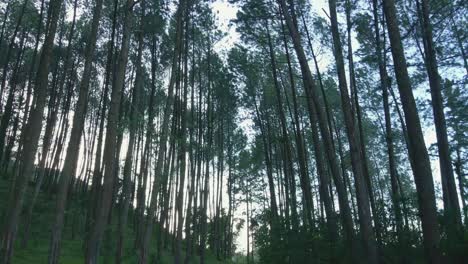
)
(71, 158)
(362, 195)
(449, 189)
(305, 183)
(300, 144)
(384, 86)
(316, 106)
(144, 248)
(133, 119)
(182, 139)
(10, 49)
(30, 139)
(417, 149)
(48, 133)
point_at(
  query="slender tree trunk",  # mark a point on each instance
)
(271, 184)
(7, 114)
(10, 49)
(316, 106)
(48, 133)
(97, 170)
(360, 130)
(461, 182)
(301, 150)
(4, 22)
(449, 189)
(193, 161)
(134, 116)
(384, 85)
(182, 141)
(71, 158)
(208, 156)
(418, 153)
(357, 163)
(11, 143)
(305, 183)
(141, 193)
(324, 183)
(144, 248)
(30, 139)
(33, 64)
(110, 149)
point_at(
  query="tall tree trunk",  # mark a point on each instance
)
(268, 165)
(133, 119)
(324, 178)
(305, 182)
(417, 149)
(11, 142)
(30, 139)
(182, 139)
(110, 149)
(144, 248)
(4, 21)
(208, 157)
(10, 49)
(362, 195)
(316, 106)
(384, 86)
(71, 158)
(142, 185)
(449, 189)
(48, 133)
(193, 160)
(7, 114)
(33, 62)
(301, 150)
(461, 182)
(54, 165)
(97, 170)
(355, 106)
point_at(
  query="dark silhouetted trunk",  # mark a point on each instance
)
(362, 195)
(384, 86)
(449, 189)
(417, 149)
(143, 257)
(30, 139)
(133, 119)
(316, 108)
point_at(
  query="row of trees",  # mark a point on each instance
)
(141, 145)
(140, 128)
(335, 144)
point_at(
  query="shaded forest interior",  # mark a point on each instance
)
(233, 131)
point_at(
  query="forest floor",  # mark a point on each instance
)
(36, 251)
